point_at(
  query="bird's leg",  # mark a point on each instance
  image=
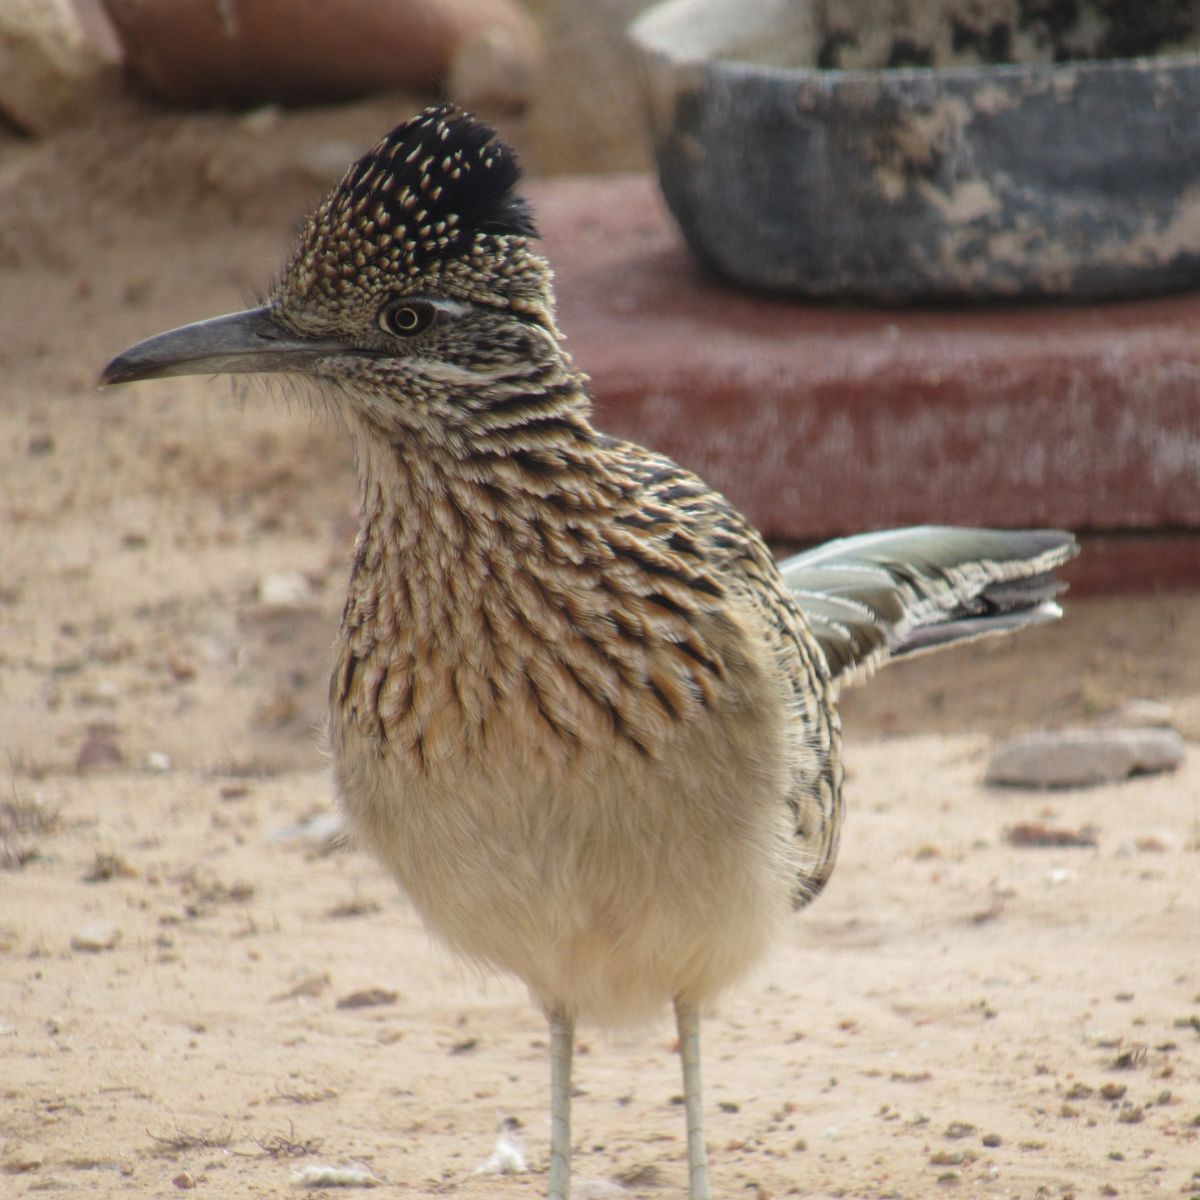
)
(687, 1020)
(562, 1043)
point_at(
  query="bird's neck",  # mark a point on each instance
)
(454, 542)
(502, 595)
(466, 567)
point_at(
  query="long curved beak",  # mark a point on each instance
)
(239, 342)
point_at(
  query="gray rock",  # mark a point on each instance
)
(1084, 757)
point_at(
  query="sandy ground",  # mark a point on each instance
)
(955, 1015)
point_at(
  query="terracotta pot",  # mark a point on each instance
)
(257, 51)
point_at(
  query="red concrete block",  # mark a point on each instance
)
(819, 420)
(1110, 564)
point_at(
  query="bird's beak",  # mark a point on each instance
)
(239, 342)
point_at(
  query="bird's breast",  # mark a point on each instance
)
(536, 665)
(610, 869)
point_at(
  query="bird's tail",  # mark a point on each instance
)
(880, 596)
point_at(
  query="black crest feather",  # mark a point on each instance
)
(456, 155)
(441, 178)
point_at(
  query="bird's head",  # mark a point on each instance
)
(414, 288)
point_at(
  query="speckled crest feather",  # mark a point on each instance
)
(434, 198)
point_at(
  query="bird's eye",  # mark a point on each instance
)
(407, 318)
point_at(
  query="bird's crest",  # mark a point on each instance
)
(436, 190)
(439, 178)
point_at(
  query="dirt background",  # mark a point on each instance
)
(955, 1016)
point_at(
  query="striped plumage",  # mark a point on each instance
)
(577, 709)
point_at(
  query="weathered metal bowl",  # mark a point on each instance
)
(800, 150)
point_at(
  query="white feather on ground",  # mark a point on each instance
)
(507, 1158)
(318, 1175)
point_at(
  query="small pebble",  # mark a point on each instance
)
(184, 1180)
(948, 1158)
(20, 1162)
(1039, 834)
(96, 752)
(644, 1175)
(1155, 843)
(375, 997)
(992, 1140)
(108, 865)
(95, 937)
(308, 987)
(284, 589)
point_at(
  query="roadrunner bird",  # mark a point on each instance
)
(577, 710)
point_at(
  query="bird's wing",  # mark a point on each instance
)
(682, 517)
(862, 600)
(885, 595)
(843, 608)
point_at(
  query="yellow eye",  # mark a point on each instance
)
(407, 318)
